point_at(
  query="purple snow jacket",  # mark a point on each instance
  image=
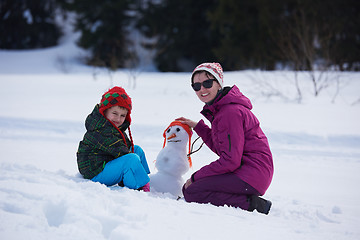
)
(236, 137)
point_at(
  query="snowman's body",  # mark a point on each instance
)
(171, 163)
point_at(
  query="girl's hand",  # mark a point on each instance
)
(186, 121)
(188, 183)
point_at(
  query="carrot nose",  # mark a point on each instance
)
(171, 136)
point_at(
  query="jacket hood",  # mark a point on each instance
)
(236, 97)
(229, 95)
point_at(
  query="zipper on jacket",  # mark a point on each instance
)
(229, 142)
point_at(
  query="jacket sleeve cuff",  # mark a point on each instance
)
(198, 125)
(193, 177)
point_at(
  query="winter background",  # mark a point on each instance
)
(46, 95)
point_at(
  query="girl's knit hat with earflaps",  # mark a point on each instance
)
(117, 96)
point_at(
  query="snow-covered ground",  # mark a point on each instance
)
(46, 95)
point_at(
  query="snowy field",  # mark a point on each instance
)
(46, 95)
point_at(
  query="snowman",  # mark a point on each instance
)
(172, 161)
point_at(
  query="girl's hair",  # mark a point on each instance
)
(121, 107)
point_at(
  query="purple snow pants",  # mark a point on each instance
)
(219, 190)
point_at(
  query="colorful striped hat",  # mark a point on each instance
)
(116, 96)
(214, 69)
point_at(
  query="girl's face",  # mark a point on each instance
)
(206, 94)
(116, 115)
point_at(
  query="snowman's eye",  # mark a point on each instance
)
(168, 130)
(178, 129)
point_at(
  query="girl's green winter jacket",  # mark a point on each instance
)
(101, 144)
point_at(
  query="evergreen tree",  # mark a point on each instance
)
(245, 41)
(298, 33)
(182, 31)
(341, 20)
(104, 27)
(27, 24)
(311, 34)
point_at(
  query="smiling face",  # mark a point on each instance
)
(116, 115)
(206, 94)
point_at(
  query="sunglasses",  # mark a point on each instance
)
(206, 84)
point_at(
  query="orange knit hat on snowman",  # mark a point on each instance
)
(187, 129)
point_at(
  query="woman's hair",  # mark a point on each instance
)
(209, 75)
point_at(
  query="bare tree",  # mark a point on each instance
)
(304, 43)
(265, 88)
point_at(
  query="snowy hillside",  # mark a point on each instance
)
(47, 94)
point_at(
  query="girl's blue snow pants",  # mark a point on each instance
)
(131, 168)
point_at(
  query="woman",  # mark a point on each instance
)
(244, 169)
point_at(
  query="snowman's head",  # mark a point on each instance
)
(178, 133)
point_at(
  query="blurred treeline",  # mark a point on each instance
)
(241, 34)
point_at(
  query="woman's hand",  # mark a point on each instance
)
(187, 184)
(186, 121)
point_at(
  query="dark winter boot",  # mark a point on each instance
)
(261, 205)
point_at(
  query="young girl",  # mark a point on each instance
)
(106, 154)
(244, 168)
